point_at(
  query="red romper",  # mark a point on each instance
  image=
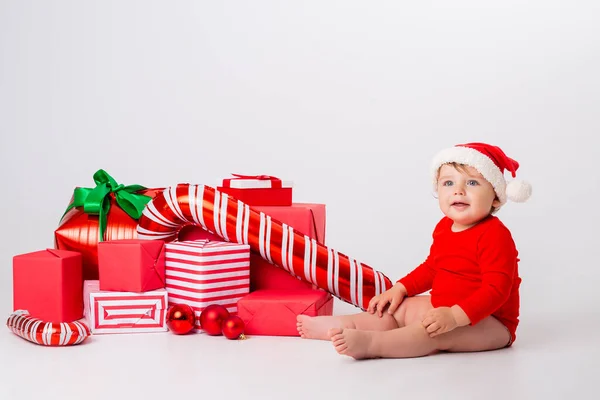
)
(476, 269)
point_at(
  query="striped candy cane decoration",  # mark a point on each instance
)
(47, 333)
(234, 221)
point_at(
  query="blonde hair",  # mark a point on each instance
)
(463, 168)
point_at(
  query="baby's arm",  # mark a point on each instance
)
(417, 281)
(444, 319)
(420, 279)
(392, 296)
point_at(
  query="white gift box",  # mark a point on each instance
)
(124, 312)
(200, 273)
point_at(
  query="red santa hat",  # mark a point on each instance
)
(491, 162)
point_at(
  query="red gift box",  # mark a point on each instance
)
(131, 265)
(306, 218)
(49, 285)
(259, 190)
(274, 312)
(264, 275)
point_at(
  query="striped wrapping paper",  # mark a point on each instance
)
(301, 256)
(124, 312)
(47, 333)
(200, 273)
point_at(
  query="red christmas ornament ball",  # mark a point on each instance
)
(233, 327)
(180, 319)
(212, 317)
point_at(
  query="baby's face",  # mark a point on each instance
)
(465, 197)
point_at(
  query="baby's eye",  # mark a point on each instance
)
(472, 182)
(447, 183)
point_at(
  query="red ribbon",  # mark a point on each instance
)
(275, 182)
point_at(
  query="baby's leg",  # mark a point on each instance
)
(318, 327)
(413, 340)
(369, 344)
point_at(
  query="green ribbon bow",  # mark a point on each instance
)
(96, 201)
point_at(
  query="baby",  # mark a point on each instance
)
(472, 272)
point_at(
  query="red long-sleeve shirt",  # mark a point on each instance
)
(477, 269)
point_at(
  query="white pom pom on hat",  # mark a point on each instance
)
(518, 191)
(491, 162)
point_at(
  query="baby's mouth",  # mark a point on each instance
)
(459, 204)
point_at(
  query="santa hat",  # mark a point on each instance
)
(491, 162)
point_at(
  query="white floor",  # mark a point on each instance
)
(545, 363)
(349, 99)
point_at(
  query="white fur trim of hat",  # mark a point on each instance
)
(491, 162)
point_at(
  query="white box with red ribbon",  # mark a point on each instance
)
(258, 190)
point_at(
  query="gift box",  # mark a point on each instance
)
(48, 284)
(306, 218)
(259, 190)
(264, 275)
(201, 273)
(131, 265)
(124, 312)
(274, 312)
(108, 211)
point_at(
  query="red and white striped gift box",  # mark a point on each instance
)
(124, 312)
(200, 273)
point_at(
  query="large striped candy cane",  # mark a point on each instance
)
(47, 333)
(234, 221)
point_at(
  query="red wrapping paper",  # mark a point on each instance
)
(306, 219)
(274, 312)
(78, 231)
(342, 276)
(48, 285)
(131, 265)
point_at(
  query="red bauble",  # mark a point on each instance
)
(212, 317)
(233, 327)
(180, 319)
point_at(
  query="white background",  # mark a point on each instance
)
(348, 99)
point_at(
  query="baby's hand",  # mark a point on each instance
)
(439, 320)
(393, 297)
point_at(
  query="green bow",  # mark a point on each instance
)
(96, 201)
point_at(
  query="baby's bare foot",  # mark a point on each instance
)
(353, 343)
(315, 327)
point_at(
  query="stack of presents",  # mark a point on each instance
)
(102, 275)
